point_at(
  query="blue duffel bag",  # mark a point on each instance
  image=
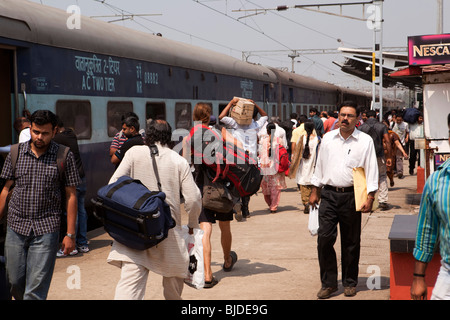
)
(132, 214)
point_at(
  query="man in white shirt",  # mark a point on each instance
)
(415, 132)
(341, 151)
(22, 126)
(401, 128)
(247, 135)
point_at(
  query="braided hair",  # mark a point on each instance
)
(271, 131)
(309, 127)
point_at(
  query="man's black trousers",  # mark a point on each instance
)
(338, 208)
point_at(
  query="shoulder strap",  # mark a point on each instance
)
(61, 157)
(14, 156)
(153, 152)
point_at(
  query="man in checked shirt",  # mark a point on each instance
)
(34, 211)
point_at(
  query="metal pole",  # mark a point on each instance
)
(374, 68)
(440, 17)
(381, 60)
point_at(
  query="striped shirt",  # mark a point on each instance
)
(35, 204)
(118, 140)
(434, 216)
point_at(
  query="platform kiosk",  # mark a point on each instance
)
(429, 62)
(402, 239)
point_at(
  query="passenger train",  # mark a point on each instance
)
(91, 76)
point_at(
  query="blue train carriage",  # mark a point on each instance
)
(91, 76)
(299, 94)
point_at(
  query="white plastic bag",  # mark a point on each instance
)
(196, 270)
(313, 224)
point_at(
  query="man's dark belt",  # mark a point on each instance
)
(339, 189)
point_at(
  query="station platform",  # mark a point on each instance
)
(277, 256)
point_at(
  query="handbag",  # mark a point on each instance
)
(216, 196)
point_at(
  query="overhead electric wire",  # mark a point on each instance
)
(121, 11)
(163, 25)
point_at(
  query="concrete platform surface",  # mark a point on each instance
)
(277, 256)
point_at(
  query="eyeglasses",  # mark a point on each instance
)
(343, 115)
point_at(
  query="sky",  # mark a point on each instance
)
(269, 37)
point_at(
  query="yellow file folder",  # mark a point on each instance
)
(360, 185)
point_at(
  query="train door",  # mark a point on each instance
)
(6, 80)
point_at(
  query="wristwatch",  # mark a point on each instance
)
(71, 236)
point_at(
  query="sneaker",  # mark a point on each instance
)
(60, 253)
(400, 176)
(325, 293)
(83, 249)
(411, 172)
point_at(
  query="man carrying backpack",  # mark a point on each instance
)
(34, 211)
(378, 132)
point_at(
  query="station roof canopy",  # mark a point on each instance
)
(358, 62)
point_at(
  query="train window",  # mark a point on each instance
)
(183, 115)
(221, 107)
(115, 111)
(155, 110)
(76, 114)
(305, 110)
(274, 110)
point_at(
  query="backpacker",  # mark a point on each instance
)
(226, 159)
(132, 214)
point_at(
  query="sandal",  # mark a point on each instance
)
(234, 258)
(210, 284)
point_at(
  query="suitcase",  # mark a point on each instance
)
(132, 214)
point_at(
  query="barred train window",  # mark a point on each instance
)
(115, 111)
(183, 115)
(76, 114)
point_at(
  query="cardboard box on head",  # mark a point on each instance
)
(242, 112)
